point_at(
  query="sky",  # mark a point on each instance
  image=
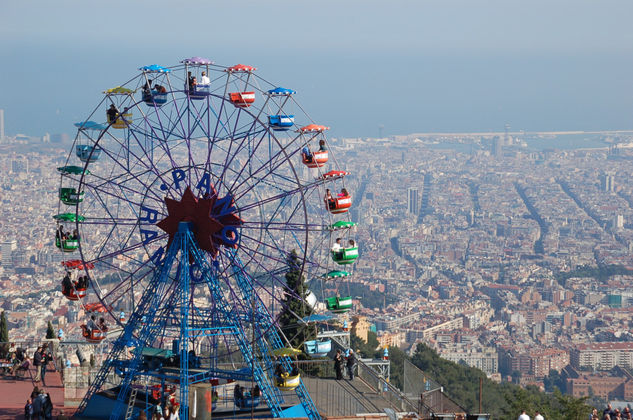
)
(410, 66)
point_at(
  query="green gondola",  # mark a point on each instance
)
(345, 255)
(69, 217)
(67, 245)
(73, 170)
(70, 196)
(336, 274)
(339, 305)
(342, 224)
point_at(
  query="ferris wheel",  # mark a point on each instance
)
(225, 169)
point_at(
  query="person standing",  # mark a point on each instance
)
(524, 416)
(351, 364)
(39, 406)
(45, 358)
(338, 364)
(48, 407)
(28, 410)
(37, 361)
(538, 416)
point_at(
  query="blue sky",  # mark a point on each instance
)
(412, 66)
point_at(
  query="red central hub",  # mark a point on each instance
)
(215, 219)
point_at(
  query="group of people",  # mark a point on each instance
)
(147, 88)
(94, 325)
(337, 247)
(62, 235)
(41, 358)
(348, 361)
(239, 393)
(329, 199)
(307, 155)
(68, 284)
(609, 413)
(17, 360)
(113, 113)
(192, 81)
(281, 371)
(524, 416)
(40, 406)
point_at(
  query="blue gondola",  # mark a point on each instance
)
(247, 402)
(281, 122)
(154, 98)
(87, 153)
(318, 348)
(279, 91)
(199, 91)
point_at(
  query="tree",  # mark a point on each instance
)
(4, 334)
(366, 349)
(50, 331)
(295, 306)
(572, 408)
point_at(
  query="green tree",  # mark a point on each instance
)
(572, 408)
(50, 331)
(396, 359)
(295, 306)
(366, 349)
(4, 334)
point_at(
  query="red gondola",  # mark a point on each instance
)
(318, 159)
(340, 204)
(242, 99)
(95, 307)
(240, 68)
(334, 174)
(94, 336)
(74, 293)
(313, 128)
(78, 264)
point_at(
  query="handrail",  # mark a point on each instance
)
(381, 385)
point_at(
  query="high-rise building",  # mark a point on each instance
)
(618, 221)
(607, 182)
(413, 203)
(19, 166)
(6, 249)
(497, 146)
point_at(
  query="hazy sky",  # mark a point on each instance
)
(413, 66)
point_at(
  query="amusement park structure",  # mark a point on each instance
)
(190, 194)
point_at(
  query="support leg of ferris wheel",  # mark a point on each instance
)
(152, 292)
(230, 318)
(148, 332)
(270, 340)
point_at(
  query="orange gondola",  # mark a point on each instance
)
(340, 204)
(74, 293)
(318, 159)
(242, 99)
(94, 336)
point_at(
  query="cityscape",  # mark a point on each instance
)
(503, 251)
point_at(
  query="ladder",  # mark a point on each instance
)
(131, 403)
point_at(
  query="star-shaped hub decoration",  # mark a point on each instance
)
(214, 219)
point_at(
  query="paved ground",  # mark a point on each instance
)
(15, 391)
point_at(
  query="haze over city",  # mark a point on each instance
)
(429, 66)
